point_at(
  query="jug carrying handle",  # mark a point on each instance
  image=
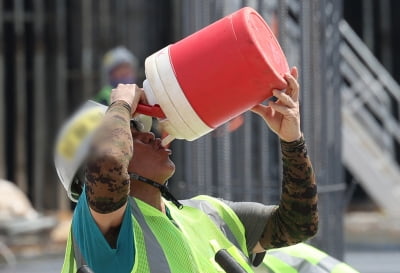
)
(150, 110)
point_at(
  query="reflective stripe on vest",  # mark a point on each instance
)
(155, 255)
(203, 233)
(79, 259)
(214, 216)
(290, 264)
(175, 244)
(281, 261)
(230, 218)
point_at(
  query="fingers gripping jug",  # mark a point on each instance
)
(214, 75)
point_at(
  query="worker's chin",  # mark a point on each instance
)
(171, 170)
(165, 173)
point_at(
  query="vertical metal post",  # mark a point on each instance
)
(39, 100)
(135, 28)
(20, 90)
(282, 14)
(176, 19)
(306, 69)
(260, 6)
(308, 80)
(61, 83)
(87, 48)
(120, 20)
(386, 35)
(189, 164)
(104, 25)
(331, 14)
(321, 114)
(198, 15)
(2, 97)
(248, 183)
(208, 166)
(230, 6)
(222, 167)
(368, 19)
(198, 171)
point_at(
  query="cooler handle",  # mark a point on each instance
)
(150, 110)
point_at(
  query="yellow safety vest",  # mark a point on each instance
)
(188, 243)
(207, 225)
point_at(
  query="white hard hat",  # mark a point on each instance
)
(116, 56)
(73, 142)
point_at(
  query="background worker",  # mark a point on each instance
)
(122, 223)
(119, 66)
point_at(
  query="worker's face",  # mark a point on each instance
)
(150, 159)
(123, 73)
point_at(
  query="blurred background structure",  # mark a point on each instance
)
(50, 63)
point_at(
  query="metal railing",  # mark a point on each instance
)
(371, 128)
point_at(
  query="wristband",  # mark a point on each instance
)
(121, 103)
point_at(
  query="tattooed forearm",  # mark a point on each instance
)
(107, 179)
(296, 218)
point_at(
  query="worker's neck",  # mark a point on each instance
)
(148, 194)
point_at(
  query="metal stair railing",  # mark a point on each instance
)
(371, 131)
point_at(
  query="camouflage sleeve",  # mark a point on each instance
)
(107, 179)
(296, 217)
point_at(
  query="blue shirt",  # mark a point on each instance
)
(97, 252)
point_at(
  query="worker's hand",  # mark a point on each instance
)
(130, 93)
(283, 116)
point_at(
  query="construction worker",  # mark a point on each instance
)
(126, 220)
(119, 65)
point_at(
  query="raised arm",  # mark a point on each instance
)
(296, 217)
(107, 179)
